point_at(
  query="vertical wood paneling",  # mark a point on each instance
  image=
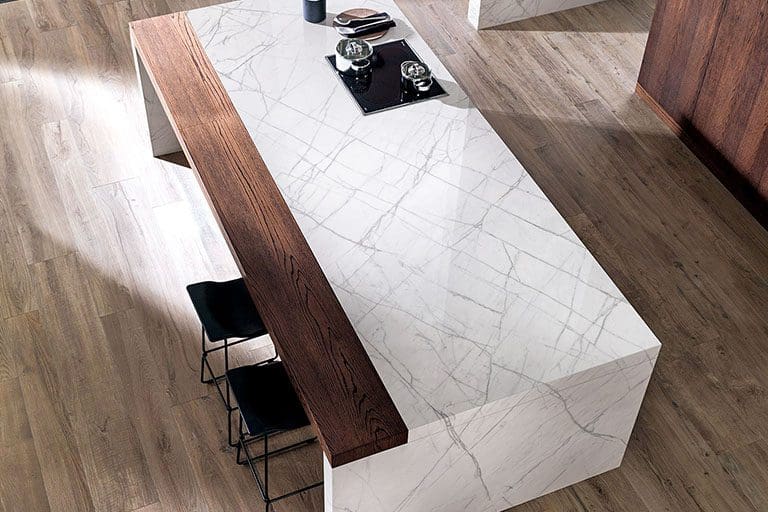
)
(705, 73)
(679, 44)
(732, 107)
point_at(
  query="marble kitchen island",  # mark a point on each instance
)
(493, 359)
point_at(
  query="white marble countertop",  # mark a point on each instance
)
(463, 282)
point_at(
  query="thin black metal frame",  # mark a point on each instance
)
(216, 379)
(242, 447)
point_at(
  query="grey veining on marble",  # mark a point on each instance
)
(551, 436)
(489, 13)
(463, 282)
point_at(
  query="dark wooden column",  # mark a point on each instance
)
(705, 72)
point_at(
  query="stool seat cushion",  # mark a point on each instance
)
(226, 310)
(266, 398)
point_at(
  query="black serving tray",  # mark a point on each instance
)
(380, 89)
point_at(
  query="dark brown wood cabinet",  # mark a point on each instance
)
(705, 72)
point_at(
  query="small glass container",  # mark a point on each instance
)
(415, 76)
(353, 56)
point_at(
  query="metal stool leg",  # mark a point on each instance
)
(228, 401)
(203, 359)
(216, 379)
(266, 471)
(249, 460)
(239, 445)
(263, 487)
(226, 371)
(204, 363)
(229, 431)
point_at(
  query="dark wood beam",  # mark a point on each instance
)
(341, 391)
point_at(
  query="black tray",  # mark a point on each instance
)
(380, 89)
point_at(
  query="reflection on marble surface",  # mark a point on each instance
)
(489, 13)
(472, 296)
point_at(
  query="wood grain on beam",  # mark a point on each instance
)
(342, 393)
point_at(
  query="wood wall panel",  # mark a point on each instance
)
(732, 107)
(705, 73)
(679, 45)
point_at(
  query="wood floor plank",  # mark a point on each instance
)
(692, 385)
(30, 192)
(21, 482)
(670, 467)
(748, 466)
(556, 501)
(142, 393)
(9, 66)
(17, 291)
(118, 14)
(153, 507)
(725, 375)
(40, 62)
(8, 358)
(203, 425)
(80, 378)
(159, 288)
(50, 15)
(63, 474)
(17, 335)
(109, 289)
(610, 491)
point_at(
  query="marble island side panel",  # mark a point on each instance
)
(503, 454)
(489, 13)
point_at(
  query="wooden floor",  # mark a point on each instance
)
(101, 407)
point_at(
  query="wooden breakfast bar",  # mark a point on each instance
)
(290, 291)
(454, 344)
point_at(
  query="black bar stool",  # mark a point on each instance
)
(226, 311)
(268, 406)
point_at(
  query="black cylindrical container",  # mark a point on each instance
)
(314, 10)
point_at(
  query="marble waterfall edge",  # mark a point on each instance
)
(547, 438)
(489, 13)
